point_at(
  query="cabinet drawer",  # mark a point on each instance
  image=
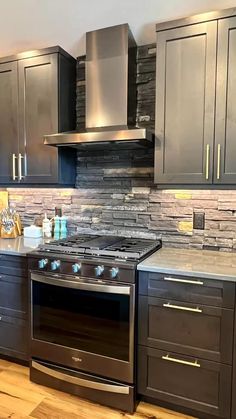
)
(186, 328)
(13, 337)
(191, 289)
(185, 381)
(13, 296)
(13, 265)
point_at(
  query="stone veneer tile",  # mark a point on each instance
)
(116, 194)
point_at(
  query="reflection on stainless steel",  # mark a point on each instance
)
(82, 138)
(83, 320)
(110, 92)
(108, 87)
(83, 285)
(111, 388)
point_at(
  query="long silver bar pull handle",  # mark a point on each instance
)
(20, 157)
(14, 177)
(218, 161)
(182, 280)
(180, 361)
(175, 307)
(207, 160)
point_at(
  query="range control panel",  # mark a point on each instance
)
(104, 269)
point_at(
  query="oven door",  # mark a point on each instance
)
(84, 324)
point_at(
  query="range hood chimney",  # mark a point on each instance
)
(110, 92)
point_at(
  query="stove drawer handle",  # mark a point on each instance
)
(87, 286)
(110, 388)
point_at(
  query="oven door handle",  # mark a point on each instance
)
(111, 388)
(83, 285)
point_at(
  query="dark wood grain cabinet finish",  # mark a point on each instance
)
(194, 290)
(199, 385)
(185, 342)
(181, 327)
(195, 101)
(8, 120)
(186, 59)
(225, 134)
(14, 307)
(39, 91)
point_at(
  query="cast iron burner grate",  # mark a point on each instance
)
(108, 246)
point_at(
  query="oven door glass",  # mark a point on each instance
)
(84, 319)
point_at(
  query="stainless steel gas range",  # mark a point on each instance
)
(83, 293)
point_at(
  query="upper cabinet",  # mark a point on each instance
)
(37, 97)
(225, 134)
(9, 146)
(195, 100)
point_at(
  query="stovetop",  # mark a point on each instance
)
(105, 246)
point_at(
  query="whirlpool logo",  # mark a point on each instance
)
(77, 359)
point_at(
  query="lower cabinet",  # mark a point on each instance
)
(14, 325)
(185, 343)
(14, 337)
(203, 386)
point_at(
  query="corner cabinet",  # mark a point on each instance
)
(37, 97)
(195, 109)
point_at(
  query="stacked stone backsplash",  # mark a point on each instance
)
(115, 192)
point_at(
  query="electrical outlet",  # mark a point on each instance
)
(198, 220)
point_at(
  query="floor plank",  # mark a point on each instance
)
(22, 399)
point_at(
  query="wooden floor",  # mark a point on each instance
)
(21, 399)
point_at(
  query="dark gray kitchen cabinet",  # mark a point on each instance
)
(192, 329)
(185, 343)
(14, 324)
(195, 100)
(225, 133)
(186, 60)
(8, 120)
(201, 386)
(45, 86)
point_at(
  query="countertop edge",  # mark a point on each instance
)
(203, 275)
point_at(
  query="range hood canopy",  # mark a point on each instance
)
(110, 92)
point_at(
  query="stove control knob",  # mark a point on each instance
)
(99, 270)
(55, 264)
(114, 272)
(42, 263)
(76, 267)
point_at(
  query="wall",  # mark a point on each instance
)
(64, 23)
(115, 191)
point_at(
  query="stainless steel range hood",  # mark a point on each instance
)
(110, 92)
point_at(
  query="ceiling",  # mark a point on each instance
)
(32, 24)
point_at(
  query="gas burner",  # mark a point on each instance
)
(103, 246)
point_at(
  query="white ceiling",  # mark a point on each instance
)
(32, 24)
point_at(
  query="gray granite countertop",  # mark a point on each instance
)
(191, 262)
(19, 246)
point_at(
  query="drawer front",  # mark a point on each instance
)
(191, 289)
(185, 328)
(184, 381)
(14, 338)
(13, 296)
(13, 265)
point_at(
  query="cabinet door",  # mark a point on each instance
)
(184, 381)
(8, 121)
(191, 329)
(187, 289)
(185, 101)
(225, 134)
(38, 104)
